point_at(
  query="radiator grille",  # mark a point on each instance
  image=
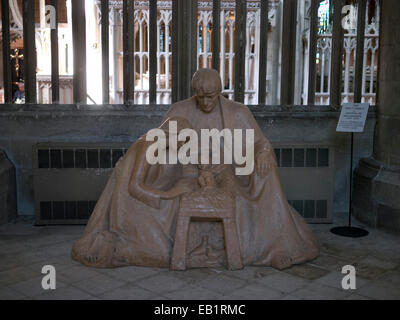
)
(69, 178)
(307, 178)
(302, 157)
(66, 210)
(88, 158)
(311, 209)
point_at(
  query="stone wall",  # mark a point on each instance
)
(21, 127)
(377, 180)
(8, 204)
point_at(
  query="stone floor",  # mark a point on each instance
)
(25, 249)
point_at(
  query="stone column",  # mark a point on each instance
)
(276, 51)
(184, 39)
(114, 55)
(377, 180)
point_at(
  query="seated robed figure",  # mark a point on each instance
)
(134, 221)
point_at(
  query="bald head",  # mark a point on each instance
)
(206, 80)
(207, 88)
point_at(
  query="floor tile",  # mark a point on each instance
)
(130, 273)
(99, 284)
(161, 283)
(357, 297)
(75, 273)
(7, 293)
(128, 292)
(193, 276)
(64, 293)
(222, 284)
(192, 292)
(25, 249)
(283, 282)
(254, 292)
(307, 271)
(316, 291)
(380, 291)
(251, 273)
(368, 271)
(33, 287)
(16, 275)
(334, 279)
(331, 263)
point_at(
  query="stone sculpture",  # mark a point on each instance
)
(196, 215)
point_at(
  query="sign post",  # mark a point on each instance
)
(352, 119)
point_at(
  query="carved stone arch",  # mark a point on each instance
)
(16, 29)
(16, 16)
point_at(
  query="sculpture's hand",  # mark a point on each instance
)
(263, 164)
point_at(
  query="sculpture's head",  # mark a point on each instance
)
(207, 87)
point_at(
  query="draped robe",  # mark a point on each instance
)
(267, 225)
(138, 228)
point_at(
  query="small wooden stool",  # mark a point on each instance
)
(195, 209)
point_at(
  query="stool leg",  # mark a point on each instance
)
(232, 247)
(178, 259)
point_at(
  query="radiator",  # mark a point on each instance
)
(68, 179)
(307, 178)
